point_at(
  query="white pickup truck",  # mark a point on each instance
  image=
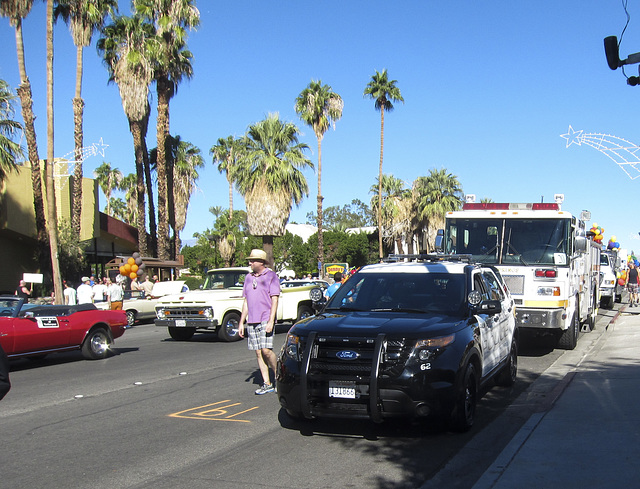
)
(218, 305)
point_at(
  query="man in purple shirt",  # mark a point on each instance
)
(260, 291)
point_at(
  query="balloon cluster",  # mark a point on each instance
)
(133, 267)
(598, 233)
(613, 244)
(622, 277)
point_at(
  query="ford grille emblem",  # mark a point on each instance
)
(347, 355)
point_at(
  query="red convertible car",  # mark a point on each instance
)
(30, 330)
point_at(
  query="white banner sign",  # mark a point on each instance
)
(32, 278)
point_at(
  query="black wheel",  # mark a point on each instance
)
(131, 317)
(181, 334)
(228, 330)
(304, 311)
(97, 343)
(507, 376)
(464, 409)
(607, 302)
(569, 338)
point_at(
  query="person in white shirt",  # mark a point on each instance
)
(85, 292)
(115, 293)
(69, 295)
(99, 292)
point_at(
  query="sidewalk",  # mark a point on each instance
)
(590, 436)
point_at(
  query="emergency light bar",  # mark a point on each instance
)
(493, 206)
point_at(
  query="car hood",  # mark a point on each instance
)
(374, 323)
(202, 296)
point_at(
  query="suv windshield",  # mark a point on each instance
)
(441, 293)
(224, 279)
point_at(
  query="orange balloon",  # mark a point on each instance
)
(131, 261)
(134, 268)
(133, 275)
(127, 269)
(122, 270)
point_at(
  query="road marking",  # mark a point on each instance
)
(221, 412)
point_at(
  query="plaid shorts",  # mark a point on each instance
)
(258, 336)
(633, 288)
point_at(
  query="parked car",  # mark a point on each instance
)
(27, 330)
(405, 339)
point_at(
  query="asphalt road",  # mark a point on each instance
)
(167, 414)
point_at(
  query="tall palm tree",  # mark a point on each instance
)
(127, 46)
(171, 19)
(186, 161)
(226, 153)
(52, 220)
(438, 193)
(84, 17)
(16, 10)
(109, 179)
(319, 106)
(10, 150)
(395, 208)
(118, 208)
(269, 177)
(384, 92)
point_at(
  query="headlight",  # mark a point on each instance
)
(208, 313)
(426, 349)
(291, 346)
(160, 313)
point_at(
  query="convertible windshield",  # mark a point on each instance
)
(510, 241)
(9, 307)
(441, 293)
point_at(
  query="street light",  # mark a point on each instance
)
(612, 52)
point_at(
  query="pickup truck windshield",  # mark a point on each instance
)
(224, 279)
(510, 241)
(440, 293)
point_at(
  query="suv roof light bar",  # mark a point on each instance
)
(426, 257)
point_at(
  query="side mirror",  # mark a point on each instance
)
(490, 307)
(581, 244)
(317, 298)
(439, 245)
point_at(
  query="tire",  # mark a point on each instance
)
(607, 302)
(569, 338)
(228, 330)
(464, 410)
(131, 317)
(97, 344)
(507, 376)
(181, 334)
(304, 311)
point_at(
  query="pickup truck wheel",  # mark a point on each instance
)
(96, 345)
(181, 334)
(131, 318)
(228, 330)
(464, 410)
(569, 338)
(304, 312)
(508, 374)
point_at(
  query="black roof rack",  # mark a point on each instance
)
(426, 257)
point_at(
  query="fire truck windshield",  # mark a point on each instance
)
(510, 241)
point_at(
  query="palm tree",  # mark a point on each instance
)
(127, 47)
(109, 180)
(118, 208)
(10, 151)
(396, 212)
(186, 161)
(318, 106)
(129, 185)
(84, 17)
(438, 193)
(269, 177)
(384, 92)
(16, 10)
(171, 18)
(226, 153)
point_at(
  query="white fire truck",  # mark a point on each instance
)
(544, 256)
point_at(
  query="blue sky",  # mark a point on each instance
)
(489, 88)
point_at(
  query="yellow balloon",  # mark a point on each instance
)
(131, 261)
(134, 268)
(133, 275)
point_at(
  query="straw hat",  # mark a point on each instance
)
(258, 255)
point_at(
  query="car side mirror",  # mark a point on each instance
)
(490, 307)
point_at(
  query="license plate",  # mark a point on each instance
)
(342, 389)
(181, 322)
